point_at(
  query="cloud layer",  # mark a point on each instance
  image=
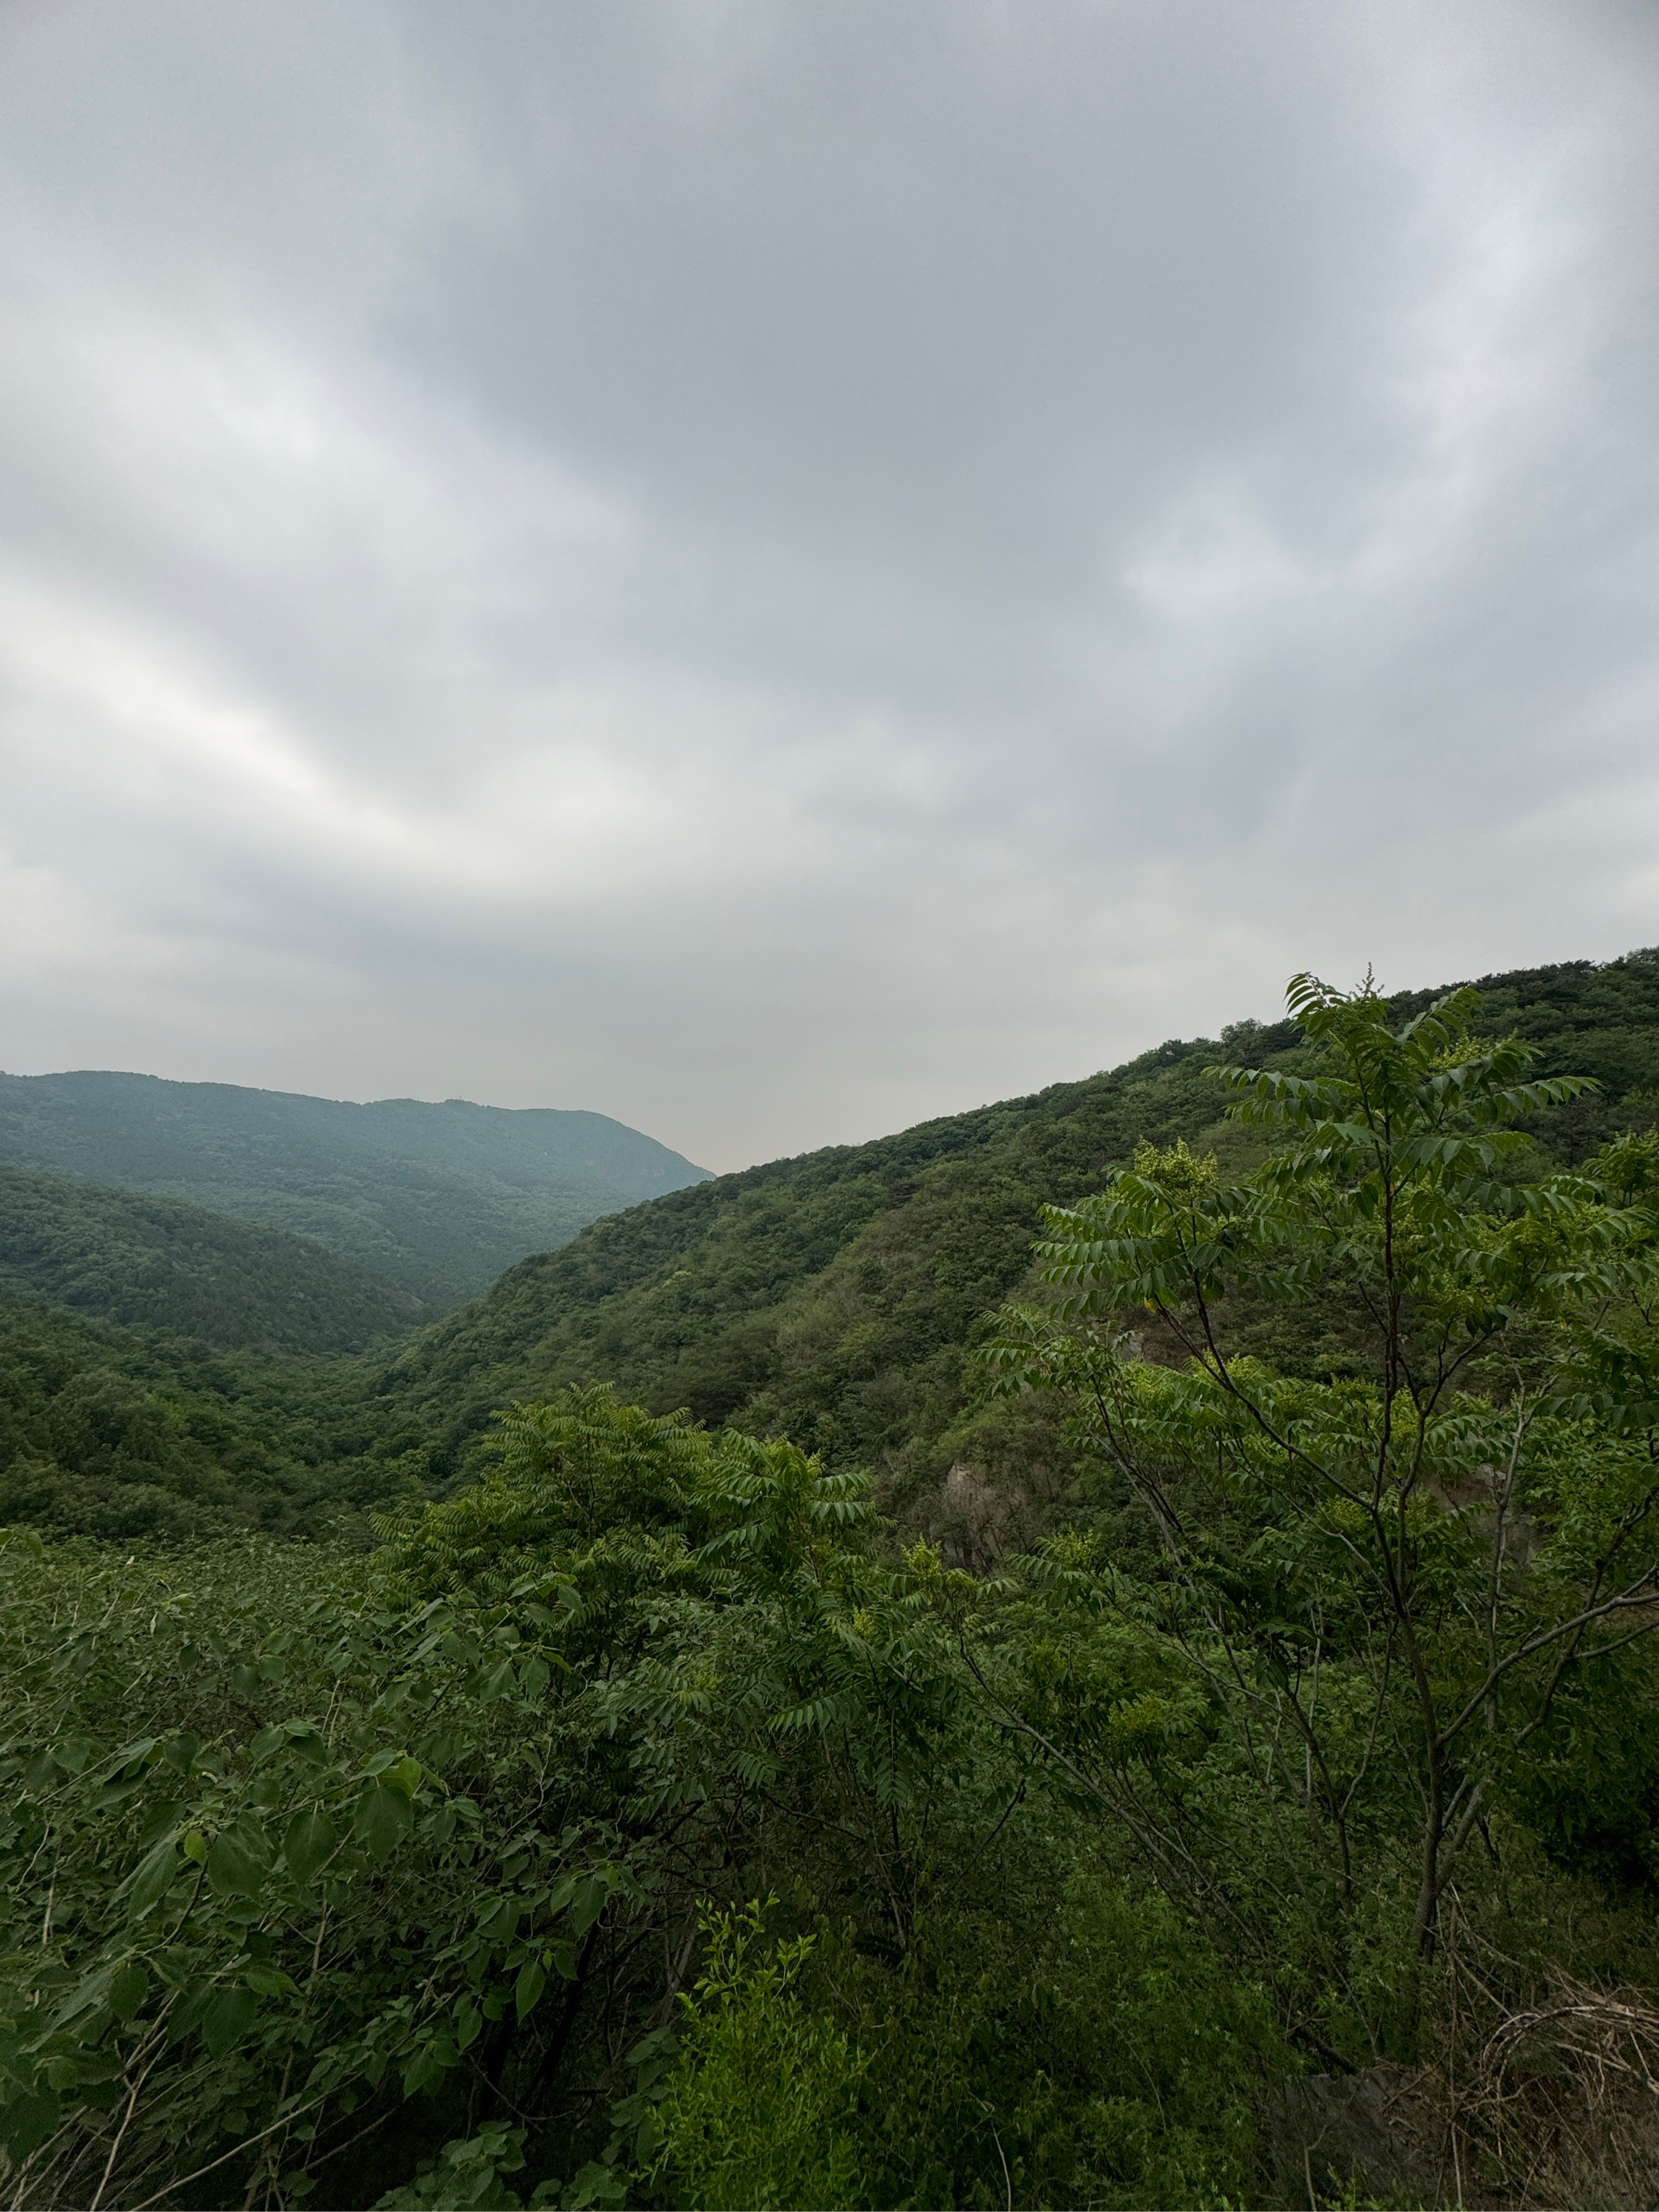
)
(771, 571)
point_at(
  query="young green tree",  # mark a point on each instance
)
(1368, 1586)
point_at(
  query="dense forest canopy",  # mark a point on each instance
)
(124, 1433)
(230, 1285)
(438, 1199)
(895, 1714)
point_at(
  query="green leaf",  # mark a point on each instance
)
(384, 1817)
(91, 1990)
(228, 2020)
(532, 1980)
(424, 2071)
(187, 2013)
(588, 1903)
(498, 1921)
(130, 1756)
(311, 1840)
(243, 1682)
(28, 2121)
(596, 2184)
(152, 1878)
(232, 1868)
(128, 1990)
(117, 1792)
(270, 1981)
(181, 1752)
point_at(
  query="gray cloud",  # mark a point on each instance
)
(774, 570)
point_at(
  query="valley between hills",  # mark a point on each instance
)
(1098, 1651)
(830, 1297)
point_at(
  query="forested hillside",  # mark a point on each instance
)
(832, 1298)
(654, 1821)
(129, 1256)
(436, 1198)
(124, 1432)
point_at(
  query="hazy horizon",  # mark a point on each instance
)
(546, 1106)
(772, 572)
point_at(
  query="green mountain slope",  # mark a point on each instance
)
(438, 1199)
(122, 1431)
(833, 1297)
(132, 1257)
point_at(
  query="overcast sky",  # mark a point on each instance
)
(774, 571)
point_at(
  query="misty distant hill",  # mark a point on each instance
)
(131, 1256)
(437, 1199)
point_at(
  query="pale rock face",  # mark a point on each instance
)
(978, 1516)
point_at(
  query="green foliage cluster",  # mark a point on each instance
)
(755, 2048)
(131, 1257)
(1370, 1589)
(125, 1433)
(437, 1200)
(385, 1880)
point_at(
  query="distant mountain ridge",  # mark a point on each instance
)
(438, 1199)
